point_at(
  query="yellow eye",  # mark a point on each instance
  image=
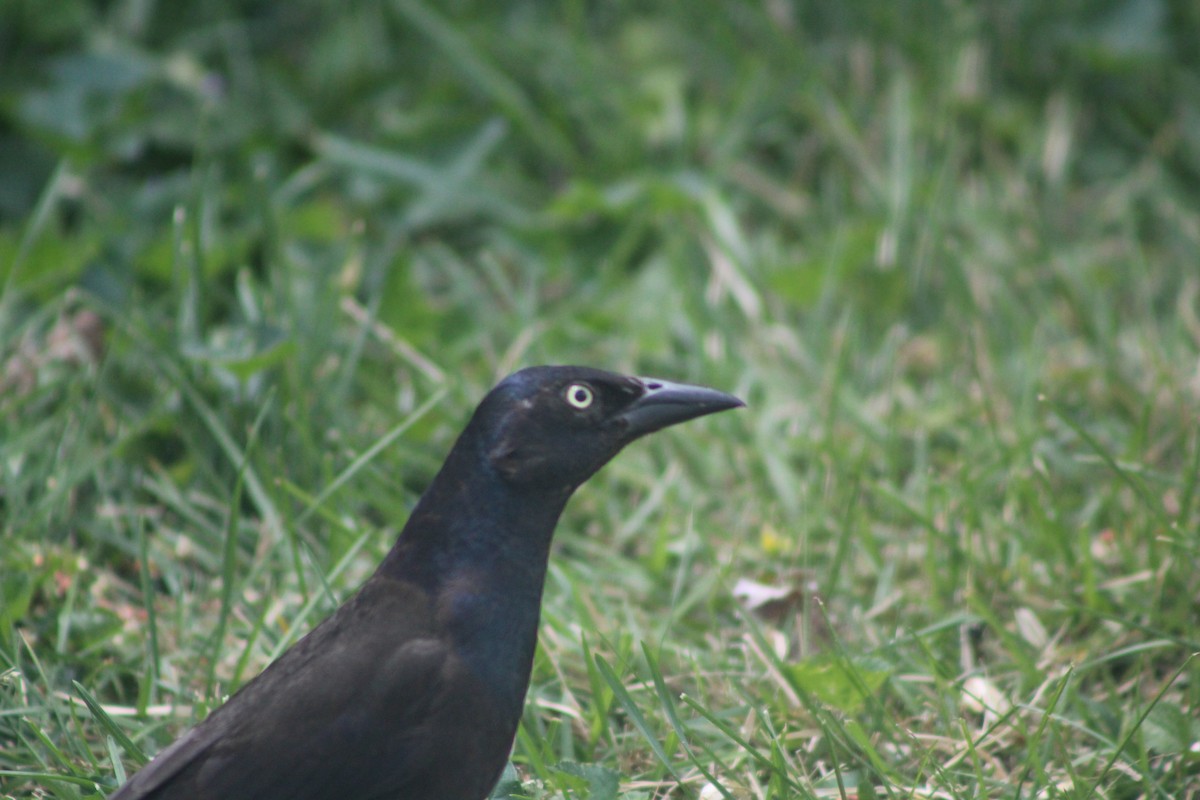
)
(580, 395)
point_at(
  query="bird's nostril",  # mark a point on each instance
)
(653, 386)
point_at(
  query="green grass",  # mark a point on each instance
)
(259, 261)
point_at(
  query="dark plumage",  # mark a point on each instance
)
(414, 687)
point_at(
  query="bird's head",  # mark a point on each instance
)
(551, 428)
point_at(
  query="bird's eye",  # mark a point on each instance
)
(579, 395)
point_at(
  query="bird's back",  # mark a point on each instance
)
(371, 698)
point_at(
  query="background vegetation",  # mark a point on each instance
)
(258, 261)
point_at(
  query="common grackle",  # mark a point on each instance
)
(413, 688)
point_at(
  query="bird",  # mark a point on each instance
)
(414, 687)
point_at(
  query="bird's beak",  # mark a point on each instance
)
(665, 403)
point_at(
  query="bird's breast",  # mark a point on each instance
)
(494, 631)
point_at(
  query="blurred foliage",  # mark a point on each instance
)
(133, 95)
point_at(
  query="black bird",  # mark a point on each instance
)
(413, 688)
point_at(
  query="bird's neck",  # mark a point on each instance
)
(471, 523)
(479, 549)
